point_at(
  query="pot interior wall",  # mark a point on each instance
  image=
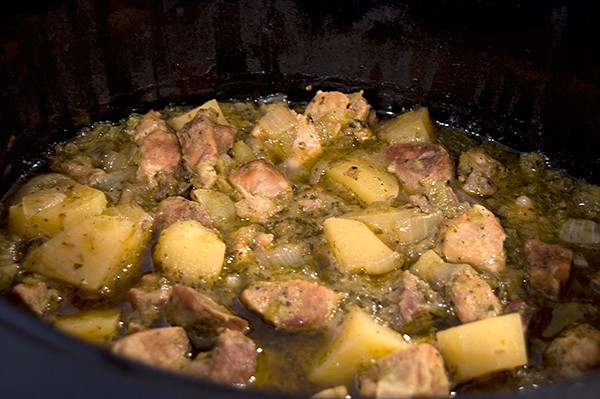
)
(527, 75)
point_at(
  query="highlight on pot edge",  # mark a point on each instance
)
(318, 249)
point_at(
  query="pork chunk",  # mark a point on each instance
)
(472, 296)
(199, 313)
(231, 361)
(175, 209)
(264, 188)
(202, 141)
(338, 114)
(549, 267)
(414, 295)
(416, 372)
(574, 352)
(478, 172)
(161, 154)
(291, 305)
(165, 348)
(475, 237)
(148, 298)
(38, 298)
(420, 164)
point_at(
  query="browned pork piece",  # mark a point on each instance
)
(148, 298)
(199, 313)
(549, 267)
(478, 172)
(414, 298)
(415, 372)
(420, 164)
(231, 361)
(175, 209)
(202, 141)
(336, 114)
(264, 188)
(161, 154)
(472, 296)
(291, 305)
(574, 352)
(166, 348)
(475, 237)
(38, 297)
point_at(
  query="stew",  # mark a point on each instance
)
(323, 249)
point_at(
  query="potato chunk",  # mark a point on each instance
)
(482, 347)
(411, 127)
(177, 122)
(359, 341)
(48, 211)
(188, 252)
(92, 253)
(355, 247)
(370, 184)
(98, 326)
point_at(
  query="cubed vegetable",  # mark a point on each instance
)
(218, 205)
(410, 127)
(433, 269)
(91, 254)
(48, 211)
(278, 121)
(355, 247)
(482, 347)
(188, 252)
(359, 341)
(369, 183)
(98, 326)
(178, 121)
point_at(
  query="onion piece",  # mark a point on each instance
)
(580, 232)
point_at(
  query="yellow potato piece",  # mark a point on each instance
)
(411, 127)
(360, 340)
(91, 254)
(355, 247)
(49, 211)
(188, 252)
(97, 326)
(482, 347)
(177, 122)
(370, 184)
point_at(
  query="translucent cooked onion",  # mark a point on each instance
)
(580, 232)
(41, 182)
(287, 255)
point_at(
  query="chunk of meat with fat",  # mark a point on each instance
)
(420, 164)
(161, 153)
(260, 177)
(202, 141)
(415, 372)
(478, 172)
(341, 114)
(264, 187)
(166, 348)
(38, 298)
(291, 305)
(413, 300)
(199, 313)
(148, 298)
(574, 352)
(475, 237)
(175, 209)
(549, 267)
(232, 360)
(472, 296)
